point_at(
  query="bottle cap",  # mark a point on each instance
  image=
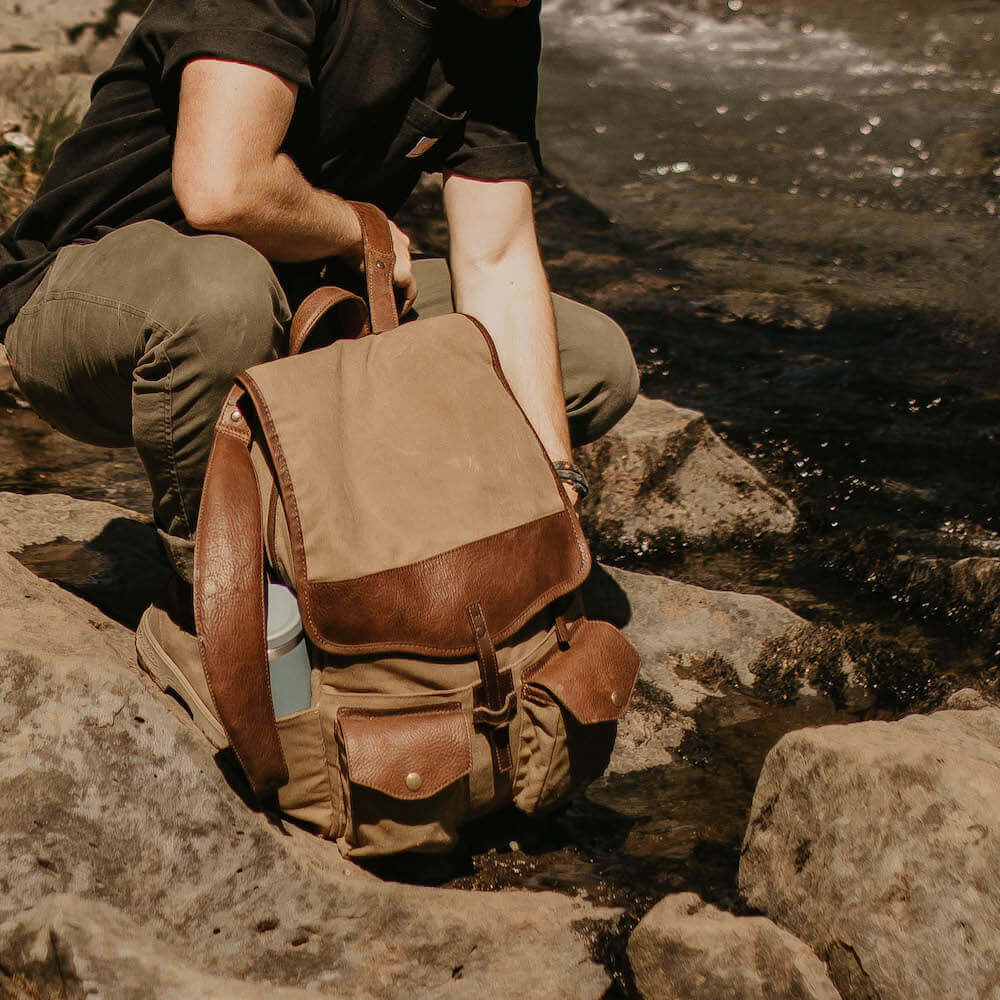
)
(284, 624)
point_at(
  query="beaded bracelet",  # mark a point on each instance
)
(573, 475)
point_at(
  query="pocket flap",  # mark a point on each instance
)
(594, 678)
(406, 754)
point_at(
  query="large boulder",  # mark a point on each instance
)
(685, 949)
(108, 794)
(662, 475)
(878, 845)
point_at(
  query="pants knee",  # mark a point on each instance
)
(600, 376)
(221, 308)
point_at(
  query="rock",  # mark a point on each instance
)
(76, 947)
(796, 311)
(692, 641)
(877, 844)
(697, 644)
(685, 949)
(45, 23)
(662, 475)
(109, 794)
(976, 582)
(966, 700)
(37, 520)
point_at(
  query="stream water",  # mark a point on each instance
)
(845, 155)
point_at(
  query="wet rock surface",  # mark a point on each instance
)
(877, 845)
(685, 949)
(662, 476)
(692, 641)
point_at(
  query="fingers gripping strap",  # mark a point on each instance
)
(380, 259)
(351, 316)
(230, 609)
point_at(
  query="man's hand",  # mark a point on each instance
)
(230, 175)
(402, 271)
(497, 276)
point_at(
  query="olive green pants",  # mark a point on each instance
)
(136, 339)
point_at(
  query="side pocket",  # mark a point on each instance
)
(571, 701)
(405, 778)
(308, 796)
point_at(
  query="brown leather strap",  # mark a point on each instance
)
(230, 605)
(493, 692)
(380, 259)
(351, 317)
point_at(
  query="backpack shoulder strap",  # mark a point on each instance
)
(230, 605)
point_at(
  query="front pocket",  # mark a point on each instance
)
(405, 778)
(571, 703)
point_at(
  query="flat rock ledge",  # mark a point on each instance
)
(684, 949)
(663, 476)
(697, 643)
(120, 834)
(878, 845)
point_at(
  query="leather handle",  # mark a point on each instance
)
(380, 259)
(352, 315)
(230, 605)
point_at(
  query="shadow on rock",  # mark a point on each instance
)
(605, 599)
(120, 571)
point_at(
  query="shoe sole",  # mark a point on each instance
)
(168, 678)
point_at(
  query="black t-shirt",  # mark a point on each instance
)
(387, 89)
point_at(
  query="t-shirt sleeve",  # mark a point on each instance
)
(494, 68)
(274, 34)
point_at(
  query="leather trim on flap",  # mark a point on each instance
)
(406, 755)
(376, 612)
(595, 677)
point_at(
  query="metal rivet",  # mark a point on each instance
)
(414, 781)
(236, 416)
(380, 264)
(616, 699)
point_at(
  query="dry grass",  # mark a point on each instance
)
(48, 115)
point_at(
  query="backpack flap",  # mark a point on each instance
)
(594, 677)
(408, 755)
(414, 486)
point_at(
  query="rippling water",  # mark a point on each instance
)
(876, 104)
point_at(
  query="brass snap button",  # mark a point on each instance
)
(414, 781)
(236, 416)
(616, 699)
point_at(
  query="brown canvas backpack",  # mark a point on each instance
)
(395, 484)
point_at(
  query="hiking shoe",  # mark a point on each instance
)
(168, 652)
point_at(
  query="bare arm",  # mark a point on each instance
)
(230, 176)
(497, 276)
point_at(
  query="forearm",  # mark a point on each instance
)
(509, 295)
(277, 211)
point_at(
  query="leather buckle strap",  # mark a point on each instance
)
(380, 259)
(230, 605)
(495, 689)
